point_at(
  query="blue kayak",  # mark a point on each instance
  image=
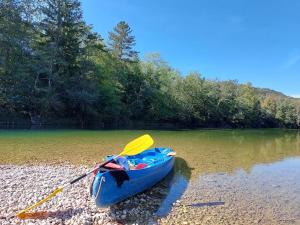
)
(140, 172)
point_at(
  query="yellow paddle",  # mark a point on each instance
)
(134, 147)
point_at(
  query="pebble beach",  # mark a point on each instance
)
(21, 186)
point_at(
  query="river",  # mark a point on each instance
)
(249, 176)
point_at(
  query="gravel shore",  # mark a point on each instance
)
(21, 186)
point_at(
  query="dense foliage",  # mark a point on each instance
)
(55, 70)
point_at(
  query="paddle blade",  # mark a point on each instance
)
(22, 214)
(138, 145)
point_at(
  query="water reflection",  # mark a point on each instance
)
(217, 151)
(241, 177)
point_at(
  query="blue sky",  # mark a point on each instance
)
(247, 40)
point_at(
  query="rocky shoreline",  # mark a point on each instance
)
(256, 197)
(23, 185)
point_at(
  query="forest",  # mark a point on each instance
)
(55, 70)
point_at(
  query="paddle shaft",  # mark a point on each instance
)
(59, 189)
(94, 170)
(132, 148)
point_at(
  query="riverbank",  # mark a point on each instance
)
(24, 185)
(212, 199)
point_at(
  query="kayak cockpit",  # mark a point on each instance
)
(143, 160)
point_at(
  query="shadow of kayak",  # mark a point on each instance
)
(157, 201)
(175, 184)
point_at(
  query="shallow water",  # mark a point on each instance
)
(220, 176)
(237, 177)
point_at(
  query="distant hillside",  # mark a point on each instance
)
(266, 92)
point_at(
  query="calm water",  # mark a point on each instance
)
(213, 167)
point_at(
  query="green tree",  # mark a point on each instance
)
(191, 96)
(122, 42)
(160, 81)
(249, 107)
(227, 105)
(287, 113)
(16, 74)
(60, 76)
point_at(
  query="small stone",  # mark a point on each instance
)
(87, 222)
